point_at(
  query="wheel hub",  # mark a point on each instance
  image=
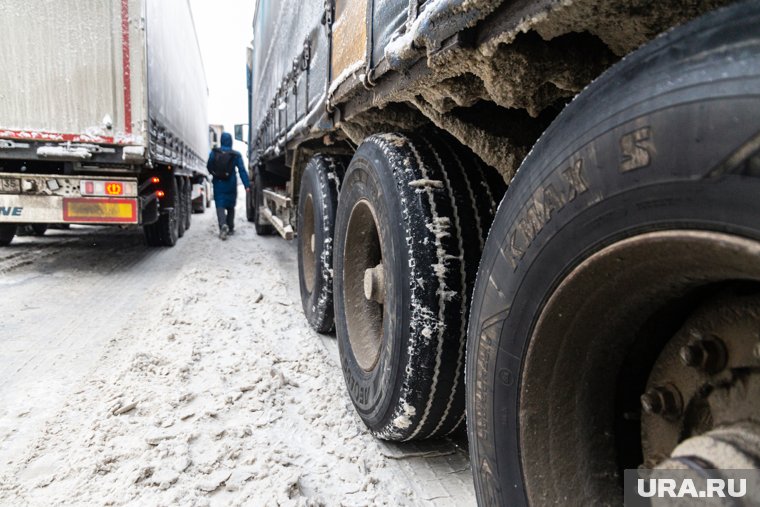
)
(710, 368)
(364, 285)
(374, 284)
(307, 249)
(593, 348)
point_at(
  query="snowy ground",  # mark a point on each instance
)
(185, 376)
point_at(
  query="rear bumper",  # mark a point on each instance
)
(54, 199)
(28, 209)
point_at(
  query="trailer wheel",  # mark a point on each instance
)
(200, 205)
(181, 209)
(408, 236)
(7, 232)
(187, 201)
(317, 202)
(249, 213)
(165, 231)
(263, 228)
(39, 229)
(628, 238)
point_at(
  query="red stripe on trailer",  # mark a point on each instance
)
(126, 72)
(38, 135)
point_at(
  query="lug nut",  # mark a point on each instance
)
(664, 401)
(651, 403)
(756, 350)
(708, 355)
(692, 355)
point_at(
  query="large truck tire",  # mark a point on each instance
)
(187, 200)
(249, 208)
(318, 200)
(408, 236)
(7, 232)
(181, 208)
(633, 211)
(39, 229)
(165, 231)
(262, 227)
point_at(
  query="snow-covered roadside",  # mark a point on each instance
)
(222, 396)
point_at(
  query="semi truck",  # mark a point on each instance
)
(534, 218)
(103, 115)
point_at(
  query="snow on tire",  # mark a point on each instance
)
(409, 231)
(317, 202)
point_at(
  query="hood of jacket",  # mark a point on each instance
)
(226, 140)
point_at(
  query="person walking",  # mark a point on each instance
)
(221, 164)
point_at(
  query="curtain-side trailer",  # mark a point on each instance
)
(599, 314)
(103, 115)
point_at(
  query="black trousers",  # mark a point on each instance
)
(226, 216)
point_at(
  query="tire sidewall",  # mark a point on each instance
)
(324, 202)
(368, 389)
(180, 208)
(258, 199)
(608, 174)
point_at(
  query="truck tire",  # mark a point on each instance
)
(188, 202)
(165, 231)
(182, 208)
(317, 202)
(249, 213)
(257, 199)
(39, 229)
(7, 232)
(408, 237)
(636, 204)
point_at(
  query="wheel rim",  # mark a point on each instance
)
(364, 315)
(307, 243)
(579, 396)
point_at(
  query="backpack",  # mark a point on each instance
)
(223, 164)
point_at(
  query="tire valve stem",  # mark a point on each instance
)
(708, 355)
(664, 401)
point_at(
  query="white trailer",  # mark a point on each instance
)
(103, 115)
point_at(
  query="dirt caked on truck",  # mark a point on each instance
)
(538, 219)
(103, 115)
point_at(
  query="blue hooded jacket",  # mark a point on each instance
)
(225, 191)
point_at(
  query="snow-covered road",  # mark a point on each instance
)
(185, 376)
